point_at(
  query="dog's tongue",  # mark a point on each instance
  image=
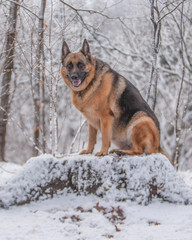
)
(76, 83)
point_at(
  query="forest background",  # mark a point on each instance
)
(147, 41)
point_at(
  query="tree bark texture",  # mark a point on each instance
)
(6, 78)
(140, 179)
(156, 21)
(37, 101)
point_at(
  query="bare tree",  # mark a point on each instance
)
(6, 79)
(155, 18)
(37, 102)
(143, 44)
(177, 127)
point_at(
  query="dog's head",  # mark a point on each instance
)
(78, 69)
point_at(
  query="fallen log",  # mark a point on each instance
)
(142, 179)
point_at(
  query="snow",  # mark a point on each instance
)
(73, 217)
(139, 178)
(53, 219)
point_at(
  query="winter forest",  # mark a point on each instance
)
(147, 41)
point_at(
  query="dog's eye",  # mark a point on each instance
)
(80, 65)
(69, 65)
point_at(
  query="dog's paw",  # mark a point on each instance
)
(118, 152)
(113, 150)
(101, 153)
(85, 151)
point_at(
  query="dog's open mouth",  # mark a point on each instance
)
(77, 79)
(76, 83)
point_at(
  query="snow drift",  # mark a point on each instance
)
(137, 178)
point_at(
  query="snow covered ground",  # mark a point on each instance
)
(74, 217)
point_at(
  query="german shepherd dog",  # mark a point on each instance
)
(111, 104)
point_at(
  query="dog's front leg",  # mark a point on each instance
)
(92, 140)
(106, 128)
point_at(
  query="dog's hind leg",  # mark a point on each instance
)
(145, 138)
(132, 151)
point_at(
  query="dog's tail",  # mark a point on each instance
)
(165, 154)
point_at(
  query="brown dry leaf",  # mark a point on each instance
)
(108, 236)
(117, 229)
(99, 208)
(80, 209)
(75, 218)
(153, 223)
(41, 83)
(119, 211)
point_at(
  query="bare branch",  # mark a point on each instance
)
(26, 8)
(170, 12)
(91, 11)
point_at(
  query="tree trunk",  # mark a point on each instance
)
(177, 127)
(155, 18)
(6, 79)
(37, 102)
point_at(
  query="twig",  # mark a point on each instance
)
(74, 139)
(6, 170)
(170, 11)
(24, 8)
(91, 11)
(20, 127)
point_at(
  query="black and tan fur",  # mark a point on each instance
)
(111, 104)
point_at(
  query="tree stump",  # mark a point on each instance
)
(142, 179)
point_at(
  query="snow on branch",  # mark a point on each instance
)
(141, 179)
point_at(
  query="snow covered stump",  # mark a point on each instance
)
(140, 178)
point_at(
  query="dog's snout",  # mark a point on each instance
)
(74, 76)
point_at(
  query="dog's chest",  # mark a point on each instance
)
(92, 116)
(89, 108)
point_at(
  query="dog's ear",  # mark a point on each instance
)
(65, 51)
(85, 49)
